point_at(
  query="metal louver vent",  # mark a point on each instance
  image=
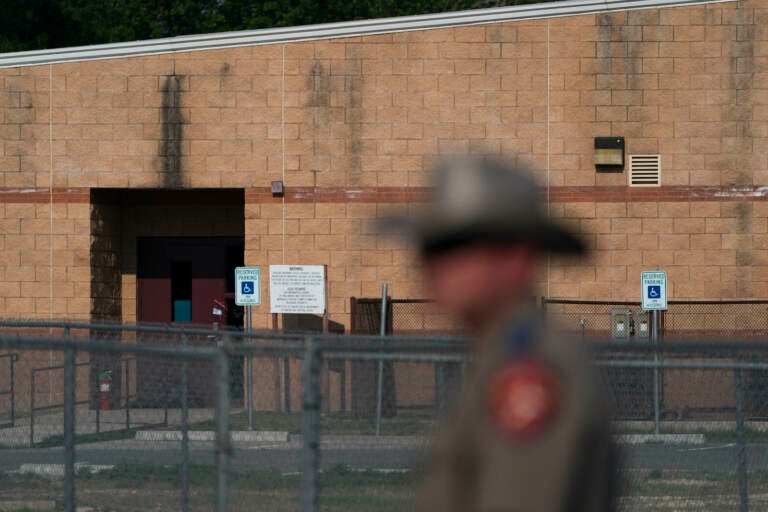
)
(644, 170)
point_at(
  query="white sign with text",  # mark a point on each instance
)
(297, 289)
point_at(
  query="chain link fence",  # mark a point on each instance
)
(153, 418)
(694, 320)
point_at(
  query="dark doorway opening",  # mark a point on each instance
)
(162, 256)
(178, 279)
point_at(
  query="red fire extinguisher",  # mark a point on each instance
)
(105, 390)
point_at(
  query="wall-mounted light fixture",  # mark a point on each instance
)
(277, 189)
(609, 154)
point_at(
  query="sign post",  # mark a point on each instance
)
(653, 291)
(296, 289)
(247, 294)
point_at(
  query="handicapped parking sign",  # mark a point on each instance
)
(653, 286)
(248, 286)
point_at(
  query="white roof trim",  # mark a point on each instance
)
(333, 30)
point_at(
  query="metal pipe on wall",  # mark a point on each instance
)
(380, 366)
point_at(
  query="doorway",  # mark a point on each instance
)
(161, 256)
(178, 280)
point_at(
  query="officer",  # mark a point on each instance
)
(528, 432)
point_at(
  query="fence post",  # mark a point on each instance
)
(14, 358)
(655, 341)
(439, 386)
(741, 452)
(310, 428)
(249, 367)
(380, 366)
(223, 447)
(184, 392)
(31, 407)
(69, 426)
(127, 392)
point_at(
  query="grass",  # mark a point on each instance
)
(147, 487)
(112, 435)
(751, 435)
(684, 491)
(330, 423)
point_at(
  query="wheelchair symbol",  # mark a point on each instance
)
(654, 292)
(246, 287)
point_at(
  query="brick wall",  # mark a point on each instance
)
(351, 124)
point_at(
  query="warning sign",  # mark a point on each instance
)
(297, 289)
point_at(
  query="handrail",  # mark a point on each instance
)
(124, 364)
(12, 359)
(32, 408)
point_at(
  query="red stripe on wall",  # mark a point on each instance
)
(340, 195)
(39, 196)
(623, 194)
(606, 194)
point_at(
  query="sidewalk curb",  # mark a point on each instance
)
(209, 435)
(22, 505)
(57, 470)
(660, 438)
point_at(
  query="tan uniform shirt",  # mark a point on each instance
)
(570, 465)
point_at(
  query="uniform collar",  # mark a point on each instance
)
(515, 329)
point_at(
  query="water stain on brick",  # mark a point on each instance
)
(604, 46)
(739, 111)
(318, 110)
(18, 138)
(317, 82)
(353, 87)
(346, 83)
(740, 86)
(172, 123)
(619, 38)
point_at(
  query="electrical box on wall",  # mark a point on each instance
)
(621, 324)
(609, 154)
(642, 325)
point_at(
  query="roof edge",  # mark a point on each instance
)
(332, 30)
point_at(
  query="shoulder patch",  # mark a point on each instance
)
(524, 398)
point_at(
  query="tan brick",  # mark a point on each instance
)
(643, 241)
(611, 210)
(613, 242)
(672, 242)
(626, 226)
(658, 258)
(708, 241)
(681, 225)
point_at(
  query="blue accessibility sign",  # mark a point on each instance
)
(248, 286)
(654, 290)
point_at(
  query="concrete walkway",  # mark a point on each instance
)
(90, 422)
